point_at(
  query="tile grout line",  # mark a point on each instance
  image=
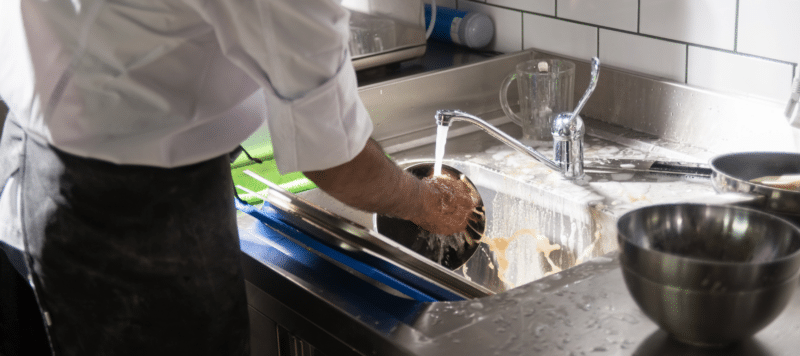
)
(736, 29)
(598, 42)
(686, 66)
(639, 17)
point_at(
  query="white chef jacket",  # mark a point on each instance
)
(158, 82)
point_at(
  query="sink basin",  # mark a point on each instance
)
(530, 233)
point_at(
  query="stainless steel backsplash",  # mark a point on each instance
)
(706, 120)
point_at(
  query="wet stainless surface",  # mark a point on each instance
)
(586, 310)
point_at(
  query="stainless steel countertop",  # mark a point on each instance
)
(586, 310)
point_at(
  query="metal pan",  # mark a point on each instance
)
(461, 246)
(731, 174)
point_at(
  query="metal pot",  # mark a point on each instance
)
(459, 247)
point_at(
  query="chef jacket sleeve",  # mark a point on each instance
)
(296, 50)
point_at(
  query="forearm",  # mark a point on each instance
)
(373, 183)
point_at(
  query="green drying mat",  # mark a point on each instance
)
(259, 145)
(294, 182)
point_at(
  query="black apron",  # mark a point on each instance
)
(129, 260)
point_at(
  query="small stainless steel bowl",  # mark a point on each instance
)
(709, 275)
(463, 245)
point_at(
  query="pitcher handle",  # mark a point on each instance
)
(504, 99)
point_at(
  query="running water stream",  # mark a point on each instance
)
(441, 139)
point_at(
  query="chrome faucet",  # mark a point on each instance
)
(567, 133)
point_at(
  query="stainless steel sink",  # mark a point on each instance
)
(537, 222)
(531, 232)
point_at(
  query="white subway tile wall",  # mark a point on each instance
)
(559, 36)
(730, 72)
(704, 22)
(704, 43)
(643, 54)
(621, 14)
(770, 29)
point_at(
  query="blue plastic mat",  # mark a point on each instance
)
(366, 264)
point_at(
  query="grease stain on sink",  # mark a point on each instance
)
(500, 247)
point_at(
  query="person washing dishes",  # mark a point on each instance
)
(114, 163)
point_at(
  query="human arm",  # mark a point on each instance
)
(372, 182)
(318, 125)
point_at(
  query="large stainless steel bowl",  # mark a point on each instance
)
(709, 275)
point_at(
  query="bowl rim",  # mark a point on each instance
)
(794, 256)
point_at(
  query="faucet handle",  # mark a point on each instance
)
(566, 127)
(592, 84)
(568, 133)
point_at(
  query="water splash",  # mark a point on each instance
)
(440, 243)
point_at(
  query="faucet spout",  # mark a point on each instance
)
(446, 117)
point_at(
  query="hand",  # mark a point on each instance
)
(447, 205)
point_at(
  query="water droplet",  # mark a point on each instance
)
(539, 329)
(528, 312)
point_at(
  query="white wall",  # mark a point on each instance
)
(748, 47)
